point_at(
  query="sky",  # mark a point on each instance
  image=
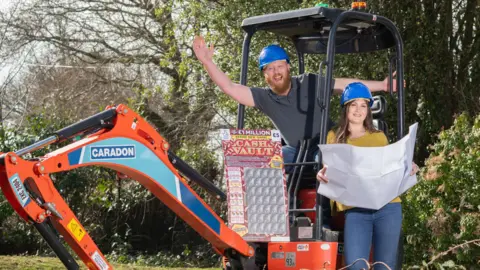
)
(4, 4)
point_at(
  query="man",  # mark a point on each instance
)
(289, 101)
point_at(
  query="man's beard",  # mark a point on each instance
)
(282, 87)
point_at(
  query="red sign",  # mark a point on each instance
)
(256, 184)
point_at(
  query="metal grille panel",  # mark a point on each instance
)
(266, 208)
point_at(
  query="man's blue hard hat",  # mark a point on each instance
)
(270, 54)
(356, 90)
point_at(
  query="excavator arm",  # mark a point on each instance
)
(119, 139)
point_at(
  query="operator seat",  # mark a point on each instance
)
(379, 108)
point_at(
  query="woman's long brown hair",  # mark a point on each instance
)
(342, 133)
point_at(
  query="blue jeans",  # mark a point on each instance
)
(364, 227)
(290, 155)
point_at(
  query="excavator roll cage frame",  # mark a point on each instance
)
(330, 31)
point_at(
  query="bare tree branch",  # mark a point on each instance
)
(142, 39)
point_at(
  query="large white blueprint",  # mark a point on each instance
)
(368, 177)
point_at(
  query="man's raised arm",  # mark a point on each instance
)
(241, 93)
(374, 86)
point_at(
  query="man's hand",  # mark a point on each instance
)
(238, 92)
(374, 86)
(394, 81)
(203, 53)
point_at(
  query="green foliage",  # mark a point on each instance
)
(72, 185)
(165, 259)
(5, 208)
(42, 262)
(443, 210)
(18, 236)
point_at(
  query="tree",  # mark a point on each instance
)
(10, 99)
(141, 42)
(442, 211)
(133, 34)
(442, 40)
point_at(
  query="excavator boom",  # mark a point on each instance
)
(121, 140)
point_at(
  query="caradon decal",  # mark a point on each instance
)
(112, 152)
(20, 190)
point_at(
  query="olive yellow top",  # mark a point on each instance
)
(368, 140)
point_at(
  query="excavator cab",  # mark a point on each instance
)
(323, 31)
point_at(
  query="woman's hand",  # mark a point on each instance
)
(321, 175)
(414, 169)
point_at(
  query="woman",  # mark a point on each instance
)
(364, 227)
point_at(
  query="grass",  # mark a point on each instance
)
(44, 263)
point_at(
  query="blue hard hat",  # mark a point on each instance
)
(354, 91)
(270, 54)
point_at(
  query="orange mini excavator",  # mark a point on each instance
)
(119, 139)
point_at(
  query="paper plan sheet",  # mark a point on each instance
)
(368, 177)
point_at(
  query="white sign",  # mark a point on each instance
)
(368, 177)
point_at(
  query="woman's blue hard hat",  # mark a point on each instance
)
(356, 90)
